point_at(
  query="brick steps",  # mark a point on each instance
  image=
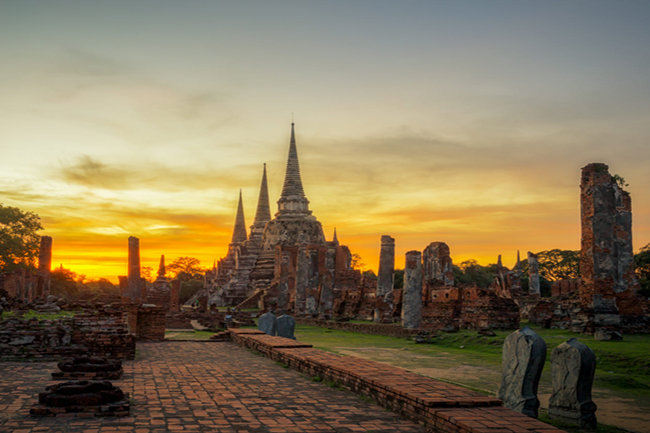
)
(443, 406)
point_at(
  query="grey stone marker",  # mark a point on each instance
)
(267, 323)
(523, 357)
(572, 368)
(286, 326)
(412, 295)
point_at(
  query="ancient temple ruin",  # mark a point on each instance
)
(605, 297)
(262, 267)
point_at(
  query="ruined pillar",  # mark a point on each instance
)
(412, 296)
(606, 255)
(327, 286)
(44, 267)
(533, 274)
(437, 265)
(134, 280)
(386, 266)
(302, 280)
(385, 278)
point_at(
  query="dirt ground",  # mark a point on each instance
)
(613, 409)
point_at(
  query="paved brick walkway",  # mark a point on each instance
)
(206, 387)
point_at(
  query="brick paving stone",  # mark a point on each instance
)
(196, 387)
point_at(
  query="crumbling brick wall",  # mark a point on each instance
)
(96, 333)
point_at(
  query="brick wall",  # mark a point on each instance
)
(102, 333)
(439, 405)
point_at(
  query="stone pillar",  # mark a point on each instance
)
(302, 280)
(386, 266)
(606, 254)
(533, 274)
(134, 280)
(412, 296)
(572, 369)
(327, 285)
(523, 357)
(44, 267)
(385, 279)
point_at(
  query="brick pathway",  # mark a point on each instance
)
(201, 387)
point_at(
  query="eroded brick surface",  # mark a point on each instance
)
(201, 387)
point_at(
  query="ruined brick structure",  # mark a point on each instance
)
(20, 284)
(606, 296)
(160, 292)
(507, 283)
(44, 268)
(100, 331)
(469, 307)
(286, 264)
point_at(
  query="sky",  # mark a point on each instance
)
(465, 122)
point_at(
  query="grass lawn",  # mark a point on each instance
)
(190, 334)
(621, 385)
(40, 316)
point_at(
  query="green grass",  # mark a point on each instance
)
(623, 367)
(188, 335)
(601, 428)
(40, 316)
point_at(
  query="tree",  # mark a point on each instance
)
(186, 268)
(558, 264)
(356, 262)
(642, 268)
(470, 272)
(19, 242)
(65, 284)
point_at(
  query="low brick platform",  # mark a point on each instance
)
(118, 409)
(442, 406)
(98, 375)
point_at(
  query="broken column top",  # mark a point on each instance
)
(387, 241)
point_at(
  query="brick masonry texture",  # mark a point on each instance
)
(199, 387)
(99, 333)
(441, 406)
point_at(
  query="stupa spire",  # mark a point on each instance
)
(263, 214)
(161, 266)
(336, 239)
(292, 200)
(239, 233)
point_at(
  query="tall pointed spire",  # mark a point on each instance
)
(292, 200)
(161, 266)
(239, 233)
(336, 239)
(263, 214)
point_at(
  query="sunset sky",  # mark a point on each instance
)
(465, 122)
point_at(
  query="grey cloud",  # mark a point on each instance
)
(92, 173)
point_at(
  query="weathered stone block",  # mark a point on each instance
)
(286, 326)
(572, 368)
(523, 357)
(267, 323)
